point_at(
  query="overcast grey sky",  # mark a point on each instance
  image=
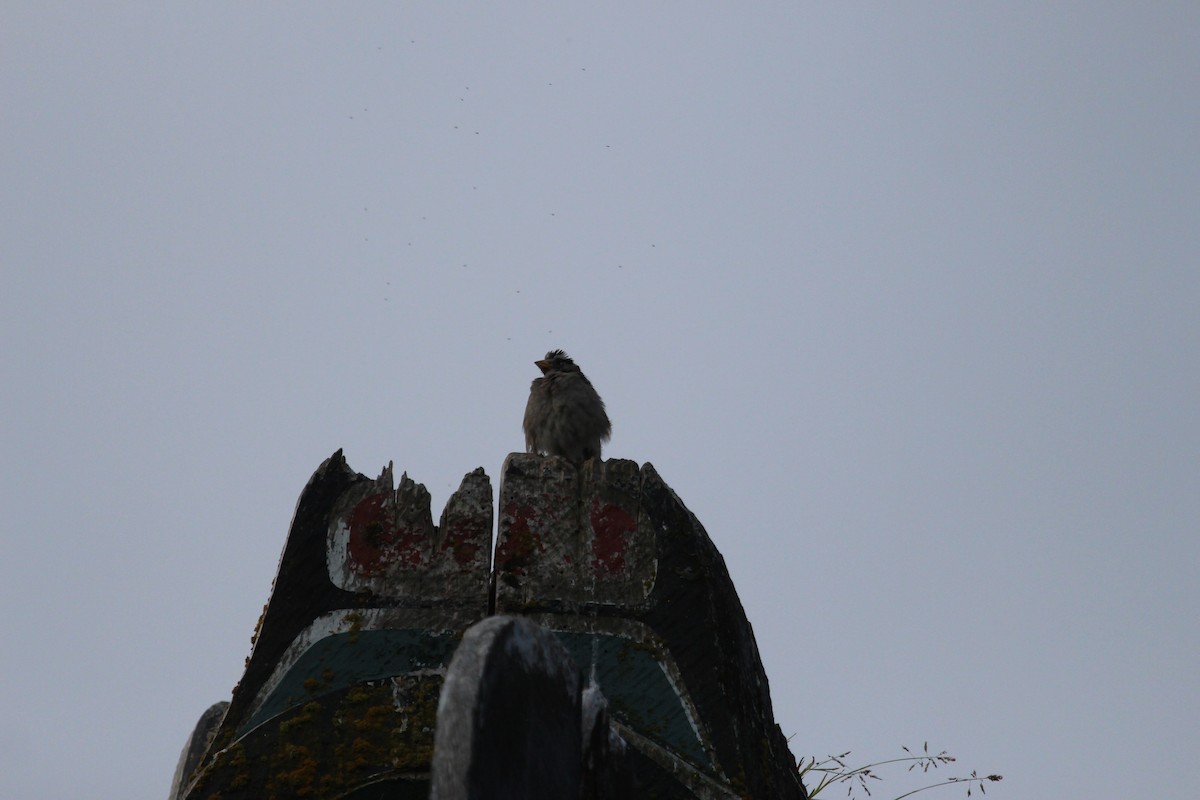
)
(901, 300)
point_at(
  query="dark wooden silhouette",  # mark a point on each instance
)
(602, 566)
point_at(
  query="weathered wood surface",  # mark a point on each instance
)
(611, 559)
(509, 720)
(197, 745)
(515, 720)
(369, 604)
(371, 600)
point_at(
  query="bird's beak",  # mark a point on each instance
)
(543, 365)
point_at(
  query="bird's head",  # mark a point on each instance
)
(556, 361)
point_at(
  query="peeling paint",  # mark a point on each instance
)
(612, 527)
(374, 541)
(342, 688)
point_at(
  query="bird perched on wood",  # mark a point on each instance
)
(564, 415)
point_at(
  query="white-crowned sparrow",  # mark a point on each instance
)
(564, 415)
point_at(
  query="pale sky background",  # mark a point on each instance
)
(901, 299)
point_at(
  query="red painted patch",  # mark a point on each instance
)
(612, 527)
(376, 541)
(518, 542)
(463, 539)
